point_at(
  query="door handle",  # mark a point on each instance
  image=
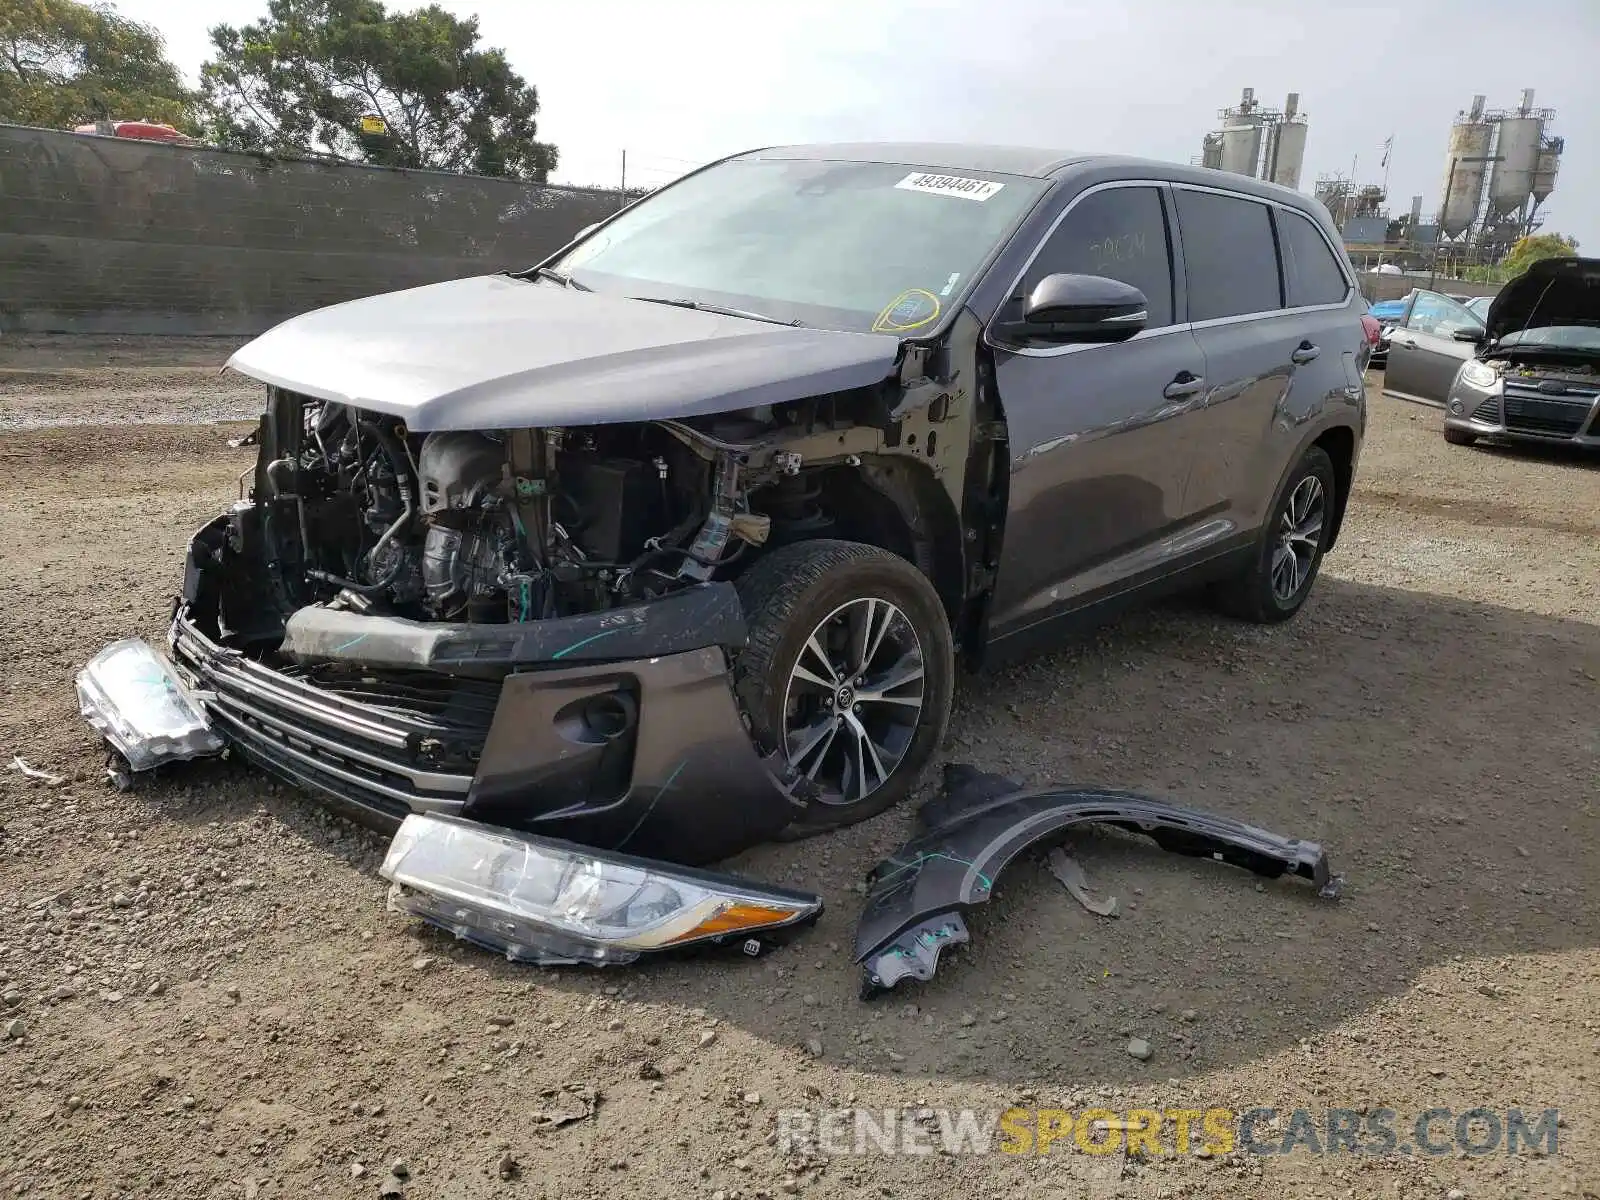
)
(1184, 385)
(1304, 353)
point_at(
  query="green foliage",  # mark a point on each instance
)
(301, 79)
(63, 64)
(1533, 248)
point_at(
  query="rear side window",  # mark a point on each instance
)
(1229, 255)
(1311, 274)
(1120, 233)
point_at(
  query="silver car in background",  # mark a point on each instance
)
(1427, 346)
(1527, 369)
(1535, 374)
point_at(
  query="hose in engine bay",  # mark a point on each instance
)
(400, 464)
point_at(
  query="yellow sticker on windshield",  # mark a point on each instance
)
(911, 309)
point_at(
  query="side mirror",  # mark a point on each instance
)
(1083, 308)
(1468, 335)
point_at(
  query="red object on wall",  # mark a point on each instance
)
(144, 131)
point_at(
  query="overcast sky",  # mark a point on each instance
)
(677, 82)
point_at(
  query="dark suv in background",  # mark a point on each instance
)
(716, 496)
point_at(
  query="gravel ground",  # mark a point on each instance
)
(204, 995)
(53, 380)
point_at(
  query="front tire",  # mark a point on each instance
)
(850, 669)
(1279, 578)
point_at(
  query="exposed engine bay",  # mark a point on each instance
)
(492, 526)
(1536, 367)
(452, 526)
(351, 510)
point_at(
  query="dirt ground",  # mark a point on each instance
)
(204, 995)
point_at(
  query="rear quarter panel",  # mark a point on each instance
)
(1327, 392)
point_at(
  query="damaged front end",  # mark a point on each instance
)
(980, 823)
(530, 626)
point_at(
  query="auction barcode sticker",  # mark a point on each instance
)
(950, 185)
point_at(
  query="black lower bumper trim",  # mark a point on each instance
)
(705, 615)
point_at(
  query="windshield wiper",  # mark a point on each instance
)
(723, 310)
(560, 277)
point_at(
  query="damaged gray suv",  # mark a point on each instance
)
(671, 544)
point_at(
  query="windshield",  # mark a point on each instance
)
(844, 245)
(1585, 338)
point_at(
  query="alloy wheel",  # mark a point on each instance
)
(1299, 538)
(853, 699)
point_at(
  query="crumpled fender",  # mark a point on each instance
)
(980, 823)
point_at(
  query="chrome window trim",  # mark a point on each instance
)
(1340, 259)
(1079, 347)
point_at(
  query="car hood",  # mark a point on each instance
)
(1554, 291)
(496, 352)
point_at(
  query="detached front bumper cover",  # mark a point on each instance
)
(981, 823)
(550, 902)
(131, 695)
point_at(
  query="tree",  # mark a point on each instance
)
(1533, 248)
(63, 63)
(302, 79)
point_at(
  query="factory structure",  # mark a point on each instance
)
(1500, 167)
(1263, 143)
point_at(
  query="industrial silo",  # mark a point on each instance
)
(1211, 151)
(1517, 158)
(1241, 136)
(1544, 174)
(1286, 147)
(1463, 181)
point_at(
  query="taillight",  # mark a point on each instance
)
(1373, 329)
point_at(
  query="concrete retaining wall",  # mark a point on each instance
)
(103, 235)
(1392, 287)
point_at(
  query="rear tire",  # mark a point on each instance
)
(1458, 437)
(1279, 578)
(863, 719)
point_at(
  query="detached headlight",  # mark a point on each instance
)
(134, 699)
(539, 900)
(1479, 374)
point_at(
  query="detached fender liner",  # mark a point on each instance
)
(968, 835)
(705, 615)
